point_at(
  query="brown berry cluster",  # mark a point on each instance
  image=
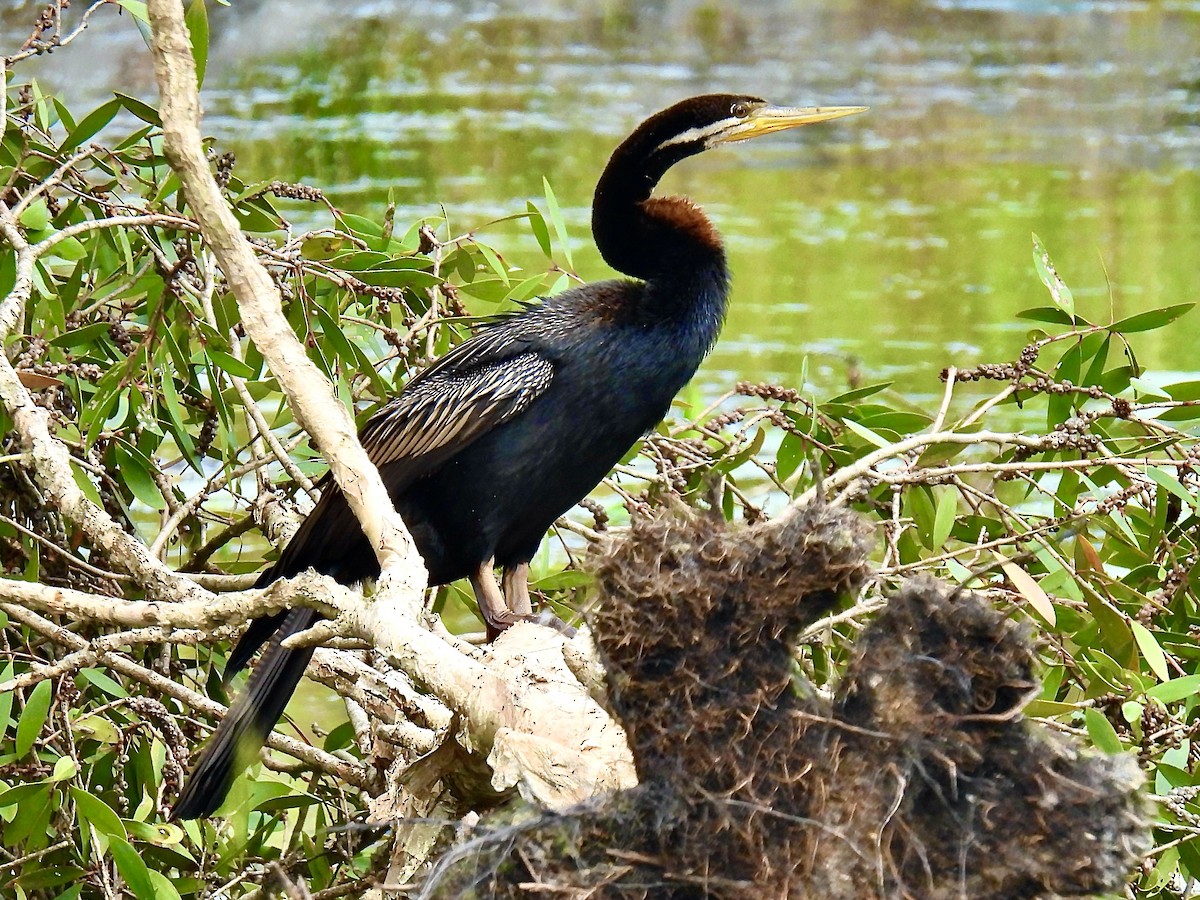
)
(725, 419)
(599, 513)
(225, 163)
(767, 391)
(296, 192)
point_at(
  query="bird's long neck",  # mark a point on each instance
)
(666, 241)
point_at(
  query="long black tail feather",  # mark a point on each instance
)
(245, 728)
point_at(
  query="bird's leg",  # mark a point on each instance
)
(496, 613)
(516, 590)
(516, 596)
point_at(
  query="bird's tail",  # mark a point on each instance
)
(245, 728)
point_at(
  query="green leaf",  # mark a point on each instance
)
(537, 225)
(943, 521)
(96, 728)
(175, 414)
(94, 811)
(919, 506)
(132, 869)
(33, 717)
(6, 699)
(50, 876)
(526, 290)
(139, 108)
(1044, 709)
(1175, 689)
(161, 834)
(64, 768)
(22, 792)
(286, 801)
(362, 227)
(1100, 730)
(136, 8)
(1147, 321)
(164, 888)
(866, 433)
(1166, 480)
(1059, 292)
(81, 336)
(493, 261)
(322, 247)
(556, 219)
(36, 216)
(1051, 314)
(32, 817)
(861, 393)
(84, 483)
(91, 124)
(136, 472)
(1151, 652)
(1060, 407)
(231, 364)
(792, 451)
(1183, 390)
(196, 19)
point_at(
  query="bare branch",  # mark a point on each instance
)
(318, 759)
(205, 613)
(311, 396)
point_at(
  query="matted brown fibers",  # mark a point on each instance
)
(918, 779)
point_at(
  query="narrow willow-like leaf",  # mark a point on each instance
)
(196, 19)
(1148, 321)
(1176, 689)
(132, 868)
(943, 521)
(1100, 730)
(33, 717)
(1151, 652)
(1030, 590)
(1059, 292)
(556, 219)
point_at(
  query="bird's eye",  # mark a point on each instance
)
(741, 110)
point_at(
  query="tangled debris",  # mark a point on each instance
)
(920, 779)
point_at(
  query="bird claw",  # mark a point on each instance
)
(506, 618)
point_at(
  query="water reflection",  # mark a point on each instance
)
(896, 242)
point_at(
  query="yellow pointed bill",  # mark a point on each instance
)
(769, 119)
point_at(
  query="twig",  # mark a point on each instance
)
(318, 759)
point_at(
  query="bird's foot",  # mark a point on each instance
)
(499, 620)
(496, 625)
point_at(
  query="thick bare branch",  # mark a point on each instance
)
(310, 394)
(205, 612)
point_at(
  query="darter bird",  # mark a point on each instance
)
(483, 450)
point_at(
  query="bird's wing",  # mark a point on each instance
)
(477, 386)
(481, 384)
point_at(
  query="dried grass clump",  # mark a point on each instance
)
(919, 780)
(939, 786)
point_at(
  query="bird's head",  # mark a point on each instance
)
(698, 123)
(638, 234)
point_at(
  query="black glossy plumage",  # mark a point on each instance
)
(487, 447)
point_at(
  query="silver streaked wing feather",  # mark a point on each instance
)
(449, 406)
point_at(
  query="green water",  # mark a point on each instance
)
(898, 242)
(895, 243)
